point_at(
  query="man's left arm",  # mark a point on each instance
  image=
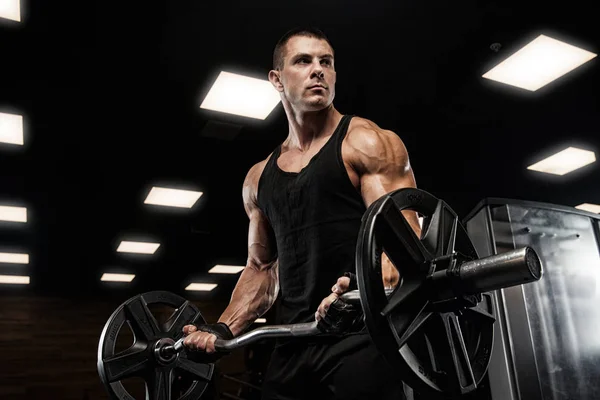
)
(381, 162)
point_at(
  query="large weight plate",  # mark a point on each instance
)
(434, 352)
(139, 359)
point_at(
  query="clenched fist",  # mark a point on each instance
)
(342, 285)
(203, 337)
(336, 316)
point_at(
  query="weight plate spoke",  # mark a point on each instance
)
(400, 242)
(128, 364)
(158, 384)
(184, 315)
(406, 324)
(142, 322)
(408, 288)
(451, 243)
(454, 355)
(440, 236)
(479, 311)
(198, 370)
(430, 353)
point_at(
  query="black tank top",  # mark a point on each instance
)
(316, 215)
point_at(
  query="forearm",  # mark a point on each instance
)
(252, 296)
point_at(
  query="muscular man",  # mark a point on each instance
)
(305, 203)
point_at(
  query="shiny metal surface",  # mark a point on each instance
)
(275, 331)
(512, 268)
(564, 316)
(162, 357)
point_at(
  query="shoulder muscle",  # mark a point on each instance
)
(376, 150)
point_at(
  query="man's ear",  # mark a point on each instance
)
(275, 79)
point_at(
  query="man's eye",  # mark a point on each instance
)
(328, 62)
(303, 60)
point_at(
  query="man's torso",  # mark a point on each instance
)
(313, 202)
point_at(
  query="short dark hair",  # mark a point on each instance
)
(279, 51)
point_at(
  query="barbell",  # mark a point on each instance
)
(435, 341)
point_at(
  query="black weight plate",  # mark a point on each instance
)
(139, 359)
(436, 353)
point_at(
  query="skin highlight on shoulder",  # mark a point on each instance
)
(250, 185)
(375, 150)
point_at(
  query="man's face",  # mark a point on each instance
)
(308, 74)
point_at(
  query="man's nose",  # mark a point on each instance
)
(317, 72)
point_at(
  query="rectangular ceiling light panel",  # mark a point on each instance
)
(14, 258)
(595, 208)
(564, 161)
(13, 214)
(11, 128)
(106, 277)
(10, 9)
(226, 269)
(540, 62)
(172, 197)
(14, 279)
(138, 247)
(241, 95)
(202, 287)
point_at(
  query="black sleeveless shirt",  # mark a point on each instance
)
(315, 215)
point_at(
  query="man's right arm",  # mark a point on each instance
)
(258, 285)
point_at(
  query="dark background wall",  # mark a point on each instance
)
(49, 347)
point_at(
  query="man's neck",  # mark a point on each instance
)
(306, 127)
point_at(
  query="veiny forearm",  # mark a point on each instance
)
(252, 296)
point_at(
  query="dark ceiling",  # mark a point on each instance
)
(110, 93)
